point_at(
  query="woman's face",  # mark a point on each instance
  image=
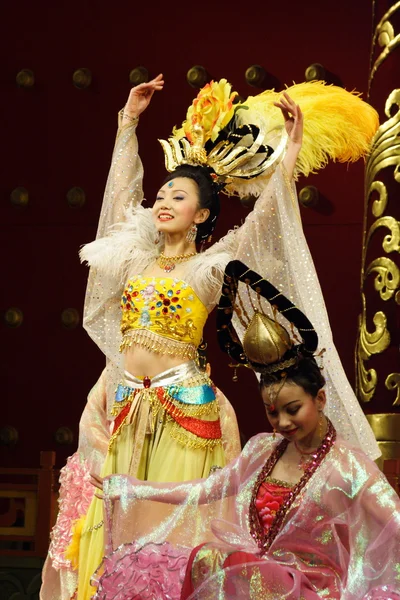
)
(293, 412)
(177, 206)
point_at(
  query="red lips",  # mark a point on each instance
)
(291, 432)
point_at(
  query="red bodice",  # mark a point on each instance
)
(270, 496)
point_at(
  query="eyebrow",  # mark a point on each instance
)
(175, 190)
(285, 405)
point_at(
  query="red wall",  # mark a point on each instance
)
(57, 136)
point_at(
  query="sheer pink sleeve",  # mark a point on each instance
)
(148, 511)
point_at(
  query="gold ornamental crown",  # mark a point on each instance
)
(210, 137)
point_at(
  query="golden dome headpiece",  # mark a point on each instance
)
(267, 345)
(242, 143)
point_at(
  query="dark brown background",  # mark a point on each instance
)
(56, 136)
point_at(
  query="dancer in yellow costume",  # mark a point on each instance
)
(154, 414)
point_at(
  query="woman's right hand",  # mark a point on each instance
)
(140, 96)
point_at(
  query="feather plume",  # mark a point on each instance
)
(206, 273)
(132, 239)
(338, 124)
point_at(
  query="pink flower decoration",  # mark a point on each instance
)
(76, 493)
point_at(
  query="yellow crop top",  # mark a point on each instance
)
(163, 315)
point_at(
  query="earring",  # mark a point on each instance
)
(274, 433)
(192, 233)
(320, 425)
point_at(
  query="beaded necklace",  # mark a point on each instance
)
(265, 539)
(168, 263)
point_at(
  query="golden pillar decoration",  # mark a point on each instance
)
(383, 162)
(377, 350)
(384, 37)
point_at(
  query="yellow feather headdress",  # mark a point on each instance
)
(243, 143)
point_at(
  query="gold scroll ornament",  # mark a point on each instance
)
(385, 153)
(384, 35)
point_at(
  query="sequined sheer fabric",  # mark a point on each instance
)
(340, 537)
(271, 242)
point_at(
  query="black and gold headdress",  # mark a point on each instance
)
(267, 346)
(245, 141)
(211, 137)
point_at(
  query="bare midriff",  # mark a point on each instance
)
(141, 362)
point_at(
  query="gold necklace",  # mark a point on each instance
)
(168, 263)
(307, 456)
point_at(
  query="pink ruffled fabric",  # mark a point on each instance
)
(154, 572)
(76, 493)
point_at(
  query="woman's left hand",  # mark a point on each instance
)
(293, 118)
(97, 481)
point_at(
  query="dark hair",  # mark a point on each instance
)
(305, 373)
(208, 196)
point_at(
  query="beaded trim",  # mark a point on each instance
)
(157, 344)
(280, 482)
(264, 539)
(188, 430)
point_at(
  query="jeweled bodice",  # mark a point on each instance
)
(154, 307)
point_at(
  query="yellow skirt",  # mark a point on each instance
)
(165, 432)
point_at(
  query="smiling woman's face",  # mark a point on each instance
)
(177, 206)
(294, 413)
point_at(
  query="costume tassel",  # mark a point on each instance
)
(72, 551)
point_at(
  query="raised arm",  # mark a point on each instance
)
(109, 254)
(124, 183)
(255, 241)
(294, 128)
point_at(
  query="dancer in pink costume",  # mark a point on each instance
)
(300, 514)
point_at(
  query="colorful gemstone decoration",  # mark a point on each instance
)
(146, 382)
(147, 298)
